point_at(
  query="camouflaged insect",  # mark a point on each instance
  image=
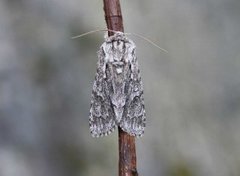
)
(117, 95)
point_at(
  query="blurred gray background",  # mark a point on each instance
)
(192, 94)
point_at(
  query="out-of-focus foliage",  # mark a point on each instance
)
(192, 93)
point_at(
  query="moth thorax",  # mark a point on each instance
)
(118, 45)
(118, 66)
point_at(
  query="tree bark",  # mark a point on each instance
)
(127, 149)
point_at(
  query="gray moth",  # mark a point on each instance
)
(117, 95)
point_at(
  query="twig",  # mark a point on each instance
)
(127, 150)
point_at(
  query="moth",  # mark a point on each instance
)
(117, 95)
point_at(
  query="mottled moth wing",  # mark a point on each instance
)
(117, 96)
(134, 117)
(101, 119)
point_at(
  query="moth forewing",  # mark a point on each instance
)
(117, 96)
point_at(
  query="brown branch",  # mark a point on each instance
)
(127, 150)
(127, 154)
(113, 15)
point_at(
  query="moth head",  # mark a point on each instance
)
(117, 36)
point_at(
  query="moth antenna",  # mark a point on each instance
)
(149, 41)
(86, 33)
(142, 37)
(94, 31)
